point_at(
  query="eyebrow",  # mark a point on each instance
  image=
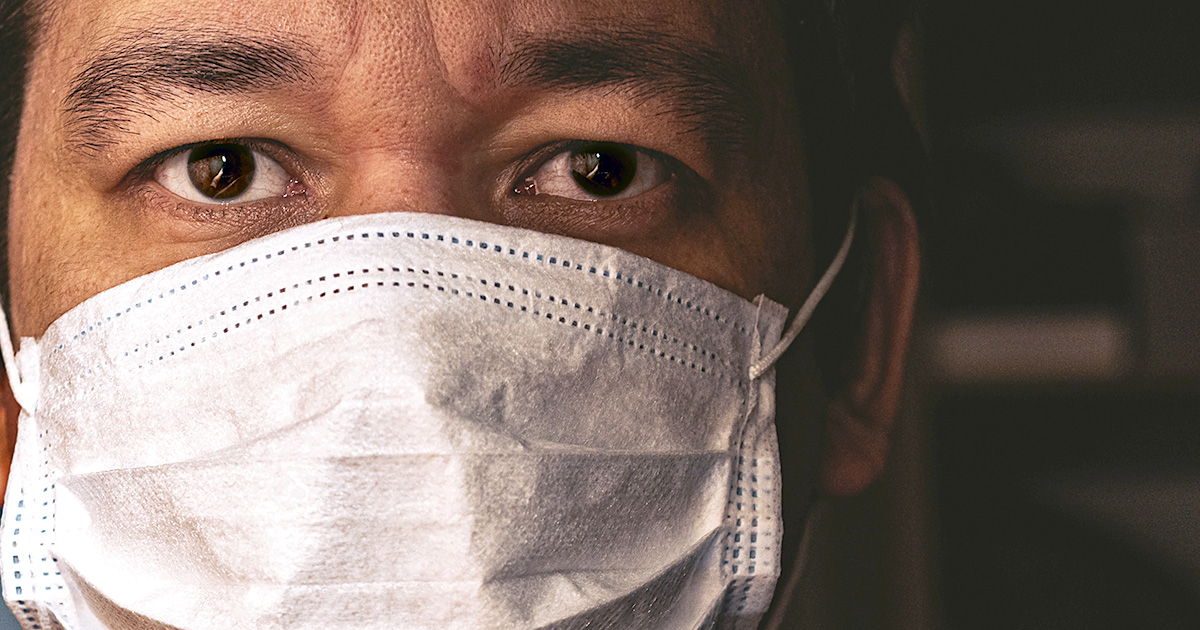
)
(137, 70)
(701, 86)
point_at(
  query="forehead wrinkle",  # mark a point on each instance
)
(352, 27)
(468, 40)
(440, 49)
(416, 77)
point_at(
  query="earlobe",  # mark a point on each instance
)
(860, 418)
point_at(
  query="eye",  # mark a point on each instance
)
(596, 171)
(225, 173)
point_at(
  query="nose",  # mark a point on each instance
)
(427, 178)
(415, 101)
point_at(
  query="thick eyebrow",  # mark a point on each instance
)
(139, 69)
(701, 86)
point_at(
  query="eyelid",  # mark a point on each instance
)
(610, 116)
(529, 163)
(610, 221)
(532, 161)
(177, 219)
(144, 171)
(554, 176)
(683, 193)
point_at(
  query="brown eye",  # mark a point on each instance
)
(221, 171)
(596, 171)
(604, 169)
(225, 172)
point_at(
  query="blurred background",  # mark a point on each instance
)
(1047, 472)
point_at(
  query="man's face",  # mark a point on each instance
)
(664, 128)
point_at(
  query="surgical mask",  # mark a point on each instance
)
(399, 421)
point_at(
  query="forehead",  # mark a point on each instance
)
(464, 39)
(712, 65)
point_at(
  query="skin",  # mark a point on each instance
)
(405, 110)
(404, 114)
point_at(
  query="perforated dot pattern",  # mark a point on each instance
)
(616, 276)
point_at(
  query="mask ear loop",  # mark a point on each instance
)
(810, 305)
(20, 388)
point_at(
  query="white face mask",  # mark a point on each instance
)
(399, 421)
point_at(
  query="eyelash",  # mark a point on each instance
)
(604, 219)
(251, 218)
(539, 157)
(681, 189)
(146, 170)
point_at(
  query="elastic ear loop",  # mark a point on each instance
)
(19, 387)
(810, 305)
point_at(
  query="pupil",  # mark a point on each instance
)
(221, 171)
(603, 169)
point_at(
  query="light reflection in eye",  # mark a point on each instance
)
(596, 171)
(225, 173)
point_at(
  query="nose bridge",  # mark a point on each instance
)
(408, 178)
(414, 92)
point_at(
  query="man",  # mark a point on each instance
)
(153, 132)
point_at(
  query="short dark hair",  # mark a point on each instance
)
(851, 116)
(16, 38)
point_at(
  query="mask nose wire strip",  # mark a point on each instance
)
(19, 389)
(756, 369)
(810, 305)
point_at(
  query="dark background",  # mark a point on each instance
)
(1047, 471)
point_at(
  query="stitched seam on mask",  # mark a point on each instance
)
(558, 261)
(743, 547)
(42, 586)
(537, 313)
(44, 618)
(531, 293)
(598, 330)
(538, 294)
(453, 240)
(750, 490)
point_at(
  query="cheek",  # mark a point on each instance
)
(56, 265)
(780, 205)
(784, 259)
(752, 243)
(66, 245)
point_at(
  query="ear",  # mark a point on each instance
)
(9, 410)
(860, 418)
